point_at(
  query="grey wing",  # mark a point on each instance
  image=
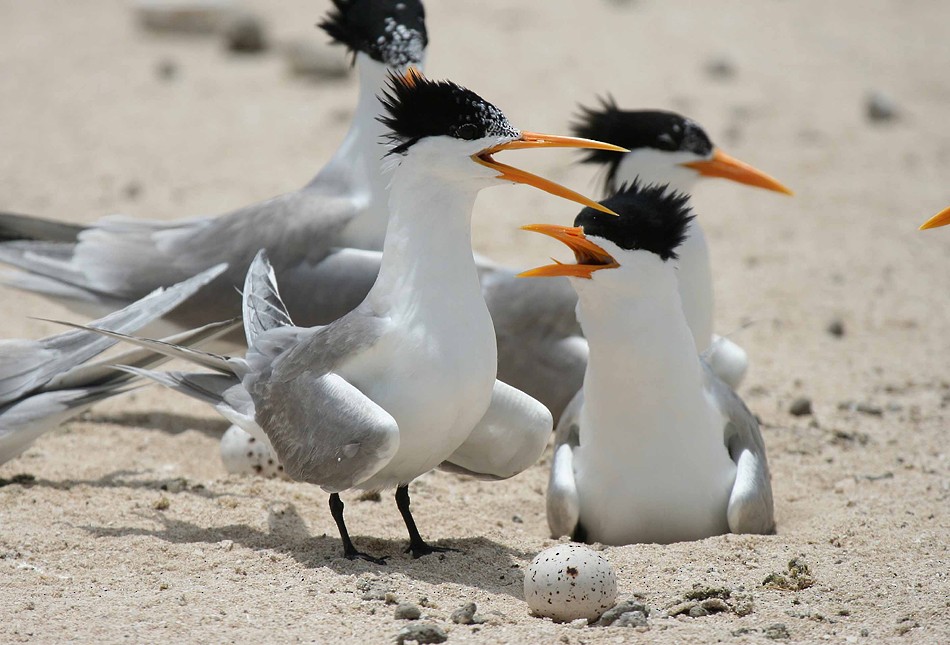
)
(120, 258)
(750, 509)
(26, 366)
(509, 439)
(324, 429)
(562, 501)
(541, 350)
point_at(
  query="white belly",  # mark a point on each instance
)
(436, 382)
(658, 493)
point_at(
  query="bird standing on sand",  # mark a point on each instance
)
(405, 382)
(655, 447)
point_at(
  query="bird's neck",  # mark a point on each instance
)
(427, 254)
(356, 164)
(644, 381)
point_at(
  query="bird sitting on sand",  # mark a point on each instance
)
(655, 447)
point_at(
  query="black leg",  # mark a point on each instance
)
(417, 546)
(349, 551)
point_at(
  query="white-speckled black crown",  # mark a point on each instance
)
(417, 107)
(392, 32)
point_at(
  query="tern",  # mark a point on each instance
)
(668, 148)
(404, 383)
(655, 447)
(45, 382)
(940, 219)
(101, 267)
(540, 346)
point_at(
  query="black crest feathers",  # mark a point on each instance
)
(417, 107)
(651, 218)
(635, 129)
(392, 32)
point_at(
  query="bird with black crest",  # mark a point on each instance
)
(404, 383)
(654, 447)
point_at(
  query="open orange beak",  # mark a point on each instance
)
(589, 256)
(534, 140)
(940, 219)
(727, 167)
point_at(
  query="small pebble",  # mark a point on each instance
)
(422, 633)
(714, 605)
(880, 107)
(720, 67)
(166, 69)
(836, 328)
(407, 611)
(132, 190)
(778, 631)
(464, 615)
(624, 607)
(800, 407)
(245, 35)
(631, 619)
(698, 612)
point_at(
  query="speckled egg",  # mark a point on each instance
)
(570, 581)
(244, 454)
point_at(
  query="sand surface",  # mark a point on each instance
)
(130, 529)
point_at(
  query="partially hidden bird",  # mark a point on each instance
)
(48, 381)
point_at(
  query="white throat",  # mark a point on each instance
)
(651, 166)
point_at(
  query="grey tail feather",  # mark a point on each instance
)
(208, 388)
(28, 227)
(205, 359)
(263, 309)
(103, 371)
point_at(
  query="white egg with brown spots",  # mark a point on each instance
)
(570, 581)
(243, 454)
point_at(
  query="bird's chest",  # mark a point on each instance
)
(433, 371)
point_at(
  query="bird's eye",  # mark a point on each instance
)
(467, 131)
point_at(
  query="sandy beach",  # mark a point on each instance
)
(123, 525)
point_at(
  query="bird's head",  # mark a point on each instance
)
(390, 32)
(650, 225)
(665, 147)
(455, 132)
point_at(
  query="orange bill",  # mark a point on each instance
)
(535, 140)
(940, 219)
(727, 167)
(589, 256)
